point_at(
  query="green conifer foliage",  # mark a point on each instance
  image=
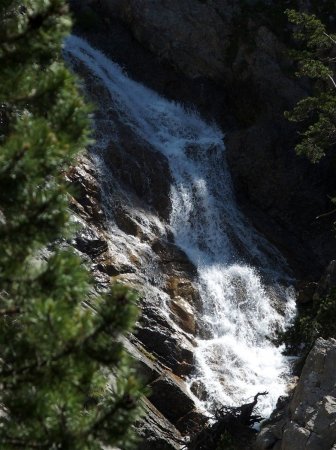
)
(317, 60)
(317, 319)
(66, 382)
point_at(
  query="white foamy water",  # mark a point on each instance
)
(238, 271)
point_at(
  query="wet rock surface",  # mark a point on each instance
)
(308, 420)
(229, 58)
(162, 345)
(196, 56)
(141, 169)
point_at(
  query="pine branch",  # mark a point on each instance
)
(326, 214)
(70, 348)
(330, 37)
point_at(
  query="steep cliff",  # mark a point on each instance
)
(159, 175)
(308, 421)
(162, 350)
(231, 57)
(230, 62)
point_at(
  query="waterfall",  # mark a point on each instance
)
(241, 277)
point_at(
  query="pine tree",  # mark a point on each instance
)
(66, 382)
(316, 60)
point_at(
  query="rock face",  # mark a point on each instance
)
(230, 62)
(236, 51)
(122, 203)
(327, 282)
(309, 420)
(162, 350)
(194, 35)
(141, 168)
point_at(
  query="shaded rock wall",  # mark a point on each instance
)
(231, 61)
(198, 54)
(194, 35)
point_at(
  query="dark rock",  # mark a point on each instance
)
(172, 349)
(126, 223)
(270, 185)
(198, 388)
(173, 258)
(306, 293)
(156, 432)
(111, 268)
(91, 245)
(309, 292)
(327, 282)
(149, 366)
(170, 397)
(192, 422)
(193, 35)
(141, 168)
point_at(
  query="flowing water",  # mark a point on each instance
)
(240, 276)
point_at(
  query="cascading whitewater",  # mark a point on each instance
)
(238, 271)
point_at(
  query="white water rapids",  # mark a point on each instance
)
(238, 271)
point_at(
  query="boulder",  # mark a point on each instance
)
(308, 420)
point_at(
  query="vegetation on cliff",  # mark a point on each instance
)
(317, 319)
(316, 114)
(316, 60)
(66, 381)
